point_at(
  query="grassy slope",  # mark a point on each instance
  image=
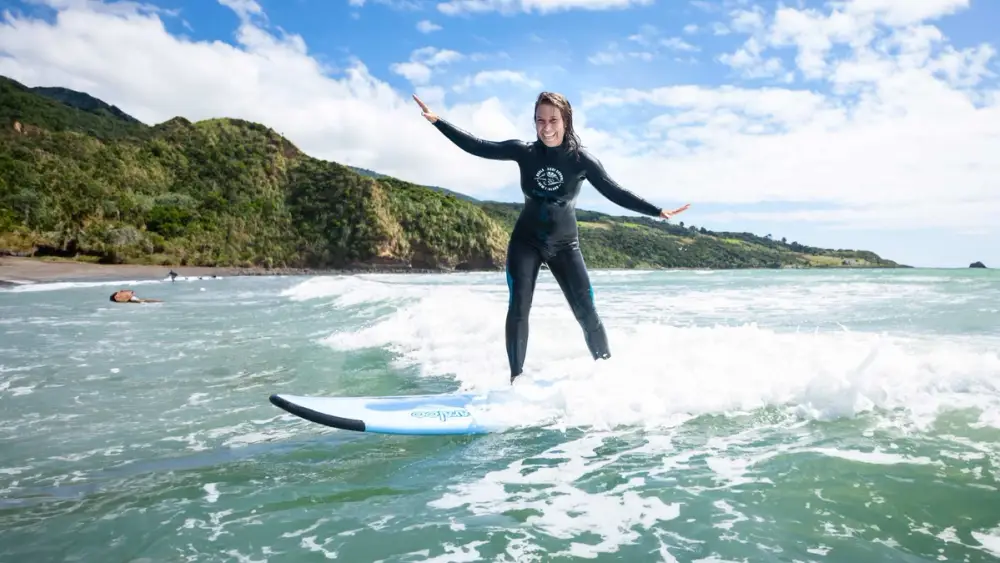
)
(97, 186)
(611, 241)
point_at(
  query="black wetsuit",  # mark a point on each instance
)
(546, 231)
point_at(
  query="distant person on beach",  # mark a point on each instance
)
(129, 296)
(552, 167)
(173, 276)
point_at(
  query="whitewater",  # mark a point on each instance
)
(747, 415)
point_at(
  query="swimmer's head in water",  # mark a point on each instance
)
(554, 121)
(123, 295)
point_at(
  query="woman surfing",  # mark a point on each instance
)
(552, 168)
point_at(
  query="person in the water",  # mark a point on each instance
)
(129, 296)
(552, 169)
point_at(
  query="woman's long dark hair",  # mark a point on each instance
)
(570, 139)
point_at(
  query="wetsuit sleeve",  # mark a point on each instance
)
(493, 150)
(611, 190)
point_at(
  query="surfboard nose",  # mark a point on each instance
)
(315, 416)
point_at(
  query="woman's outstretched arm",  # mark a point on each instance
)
(614, 192)
(493, 150)
(503, 150)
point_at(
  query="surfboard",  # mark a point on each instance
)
(438, 414)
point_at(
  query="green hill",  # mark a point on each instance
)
(217, 192)
(85, 103)
(379, 176)
(610, 241)
(80, 178)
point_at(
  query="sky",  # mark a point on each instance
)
(866, 124)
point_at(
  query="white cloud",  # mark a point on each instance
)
(427, 26)
(901, 12)
(814, 34)
(613, 54)
(748, 60)
(747, 21)
(719, 28)
(243, 8)
(678, 44)
(705, 5)
(422, 63)
(855, 23)
(399, 5)
(493, 77)
(121, 7)
(778, 106)
(903, 139)
(510, 7)
(648, 37)
(956, 216)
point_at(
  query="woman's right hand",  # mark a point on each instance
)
(668, 214)
(427, 113)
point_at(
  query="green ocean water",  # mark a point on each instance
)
(828, 416)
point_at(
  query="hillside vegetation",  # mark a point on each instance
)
(89, 183)
(609, 241)
(82, 179)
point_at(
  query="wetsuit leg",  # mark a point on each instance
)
(569, 270)
(523, 263)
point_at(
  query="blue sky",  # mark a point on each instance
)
(867, 124)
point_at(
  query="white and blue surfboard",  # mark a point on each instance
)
(440, 414)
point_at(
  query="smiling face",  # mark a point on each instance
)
(549, 125)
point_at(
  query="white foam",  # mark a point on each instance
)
(659, 373)
(311, 544)
(821, 299)
(60, 286)
(354, 290)
(211, 492)
(320, 286)
(298, 533)
(611, 273)
(662, 374)
(876, 457)
(454, 553)
(563, 509)
(351, 290)
(989, 540)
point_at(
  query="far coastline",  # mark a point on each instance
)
(19, 270)
(22, 270)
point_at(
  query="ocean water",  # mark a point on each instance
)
(827, 416)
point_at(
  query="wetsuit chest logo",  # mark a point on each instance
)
(549, 178)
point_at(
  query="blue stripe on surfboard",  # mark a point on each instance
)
(409, 403)
(425, 431)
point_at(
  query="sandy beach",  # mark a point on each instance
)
(19, 270)
(16, 270)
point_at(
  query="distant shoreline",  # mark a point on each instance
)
(16, 270)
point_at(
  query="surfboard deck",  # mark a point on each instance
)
(437, 414)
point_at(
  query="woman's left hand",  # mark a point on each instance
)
(668, 214)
